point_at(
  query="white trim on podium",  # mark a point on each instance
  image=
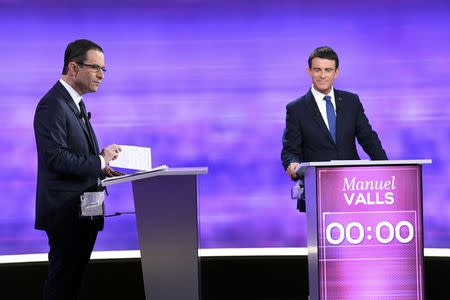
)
(336, 163)
(158, 171)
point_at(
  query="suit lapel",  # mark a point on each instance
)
(339, 115)
(75, 110)
(94, 138)
(317, 116)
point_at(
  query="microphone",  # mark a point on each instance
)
(80, 115)
(119, 213)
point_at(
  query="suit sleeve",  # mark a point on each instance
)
(367, 137)
(51, 138)
(292, 139)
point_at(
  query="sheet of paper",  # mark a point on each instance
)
(133, 157)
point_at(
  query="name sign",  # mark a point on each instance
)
(370, 243)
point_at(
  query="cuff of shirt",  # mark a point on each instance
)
(102, 162)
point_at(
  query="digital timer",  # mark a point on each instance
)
(385, 232)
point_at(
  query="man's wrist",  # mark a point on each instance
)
(102, 162)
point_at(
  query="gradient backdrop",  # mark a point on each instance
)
(205, 83)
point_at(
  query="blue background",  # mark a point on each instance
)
(205, 83)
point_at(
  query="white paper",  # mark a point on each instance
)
(133, 157)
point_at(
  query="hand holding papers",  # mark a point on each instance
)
(109, 172)
(133, 157)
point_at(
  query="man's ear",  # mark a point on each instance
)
(73, 67)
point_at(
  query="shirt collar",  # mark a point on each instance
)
(74, 94)
(319, 96)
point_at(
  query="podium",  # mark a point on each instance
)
(166, 217)
(364, 229)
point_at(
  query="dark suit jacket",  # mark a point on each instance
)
(68, 162)
(307, 138)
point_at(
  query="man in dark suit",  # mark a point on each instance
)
(69, 164)
(323, 124)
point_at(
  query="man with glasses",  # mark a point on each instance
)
(69, 164)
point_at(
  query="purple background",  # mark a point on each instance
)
(342, 266)
(205, 83)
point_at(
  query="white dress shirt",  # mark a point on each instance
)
(322, 104)
(77, 98)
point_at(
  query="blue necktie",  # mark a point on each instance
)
(331, 117)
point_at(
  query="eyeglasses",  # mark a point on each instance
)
(97, 68)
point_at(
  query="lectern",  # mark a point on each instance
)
(166, 217)
(365, 229)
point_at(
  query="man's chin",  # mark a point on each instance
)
(323, 89)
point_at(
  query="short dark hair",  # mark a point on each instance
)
(323, 52)
(76, 51)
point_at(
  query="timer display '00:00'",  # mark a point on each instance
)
(380, 232)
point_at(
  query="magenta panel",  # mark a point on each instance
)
(370, 232)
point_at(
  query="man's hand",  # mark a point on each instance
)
(108, 172)
(110, 153)
(291, 170)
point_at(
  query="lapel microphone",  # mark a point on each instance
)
(89, 115)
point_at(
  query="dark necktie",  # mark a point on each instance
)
(331, 117)
(85, 117)
(83, 111)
